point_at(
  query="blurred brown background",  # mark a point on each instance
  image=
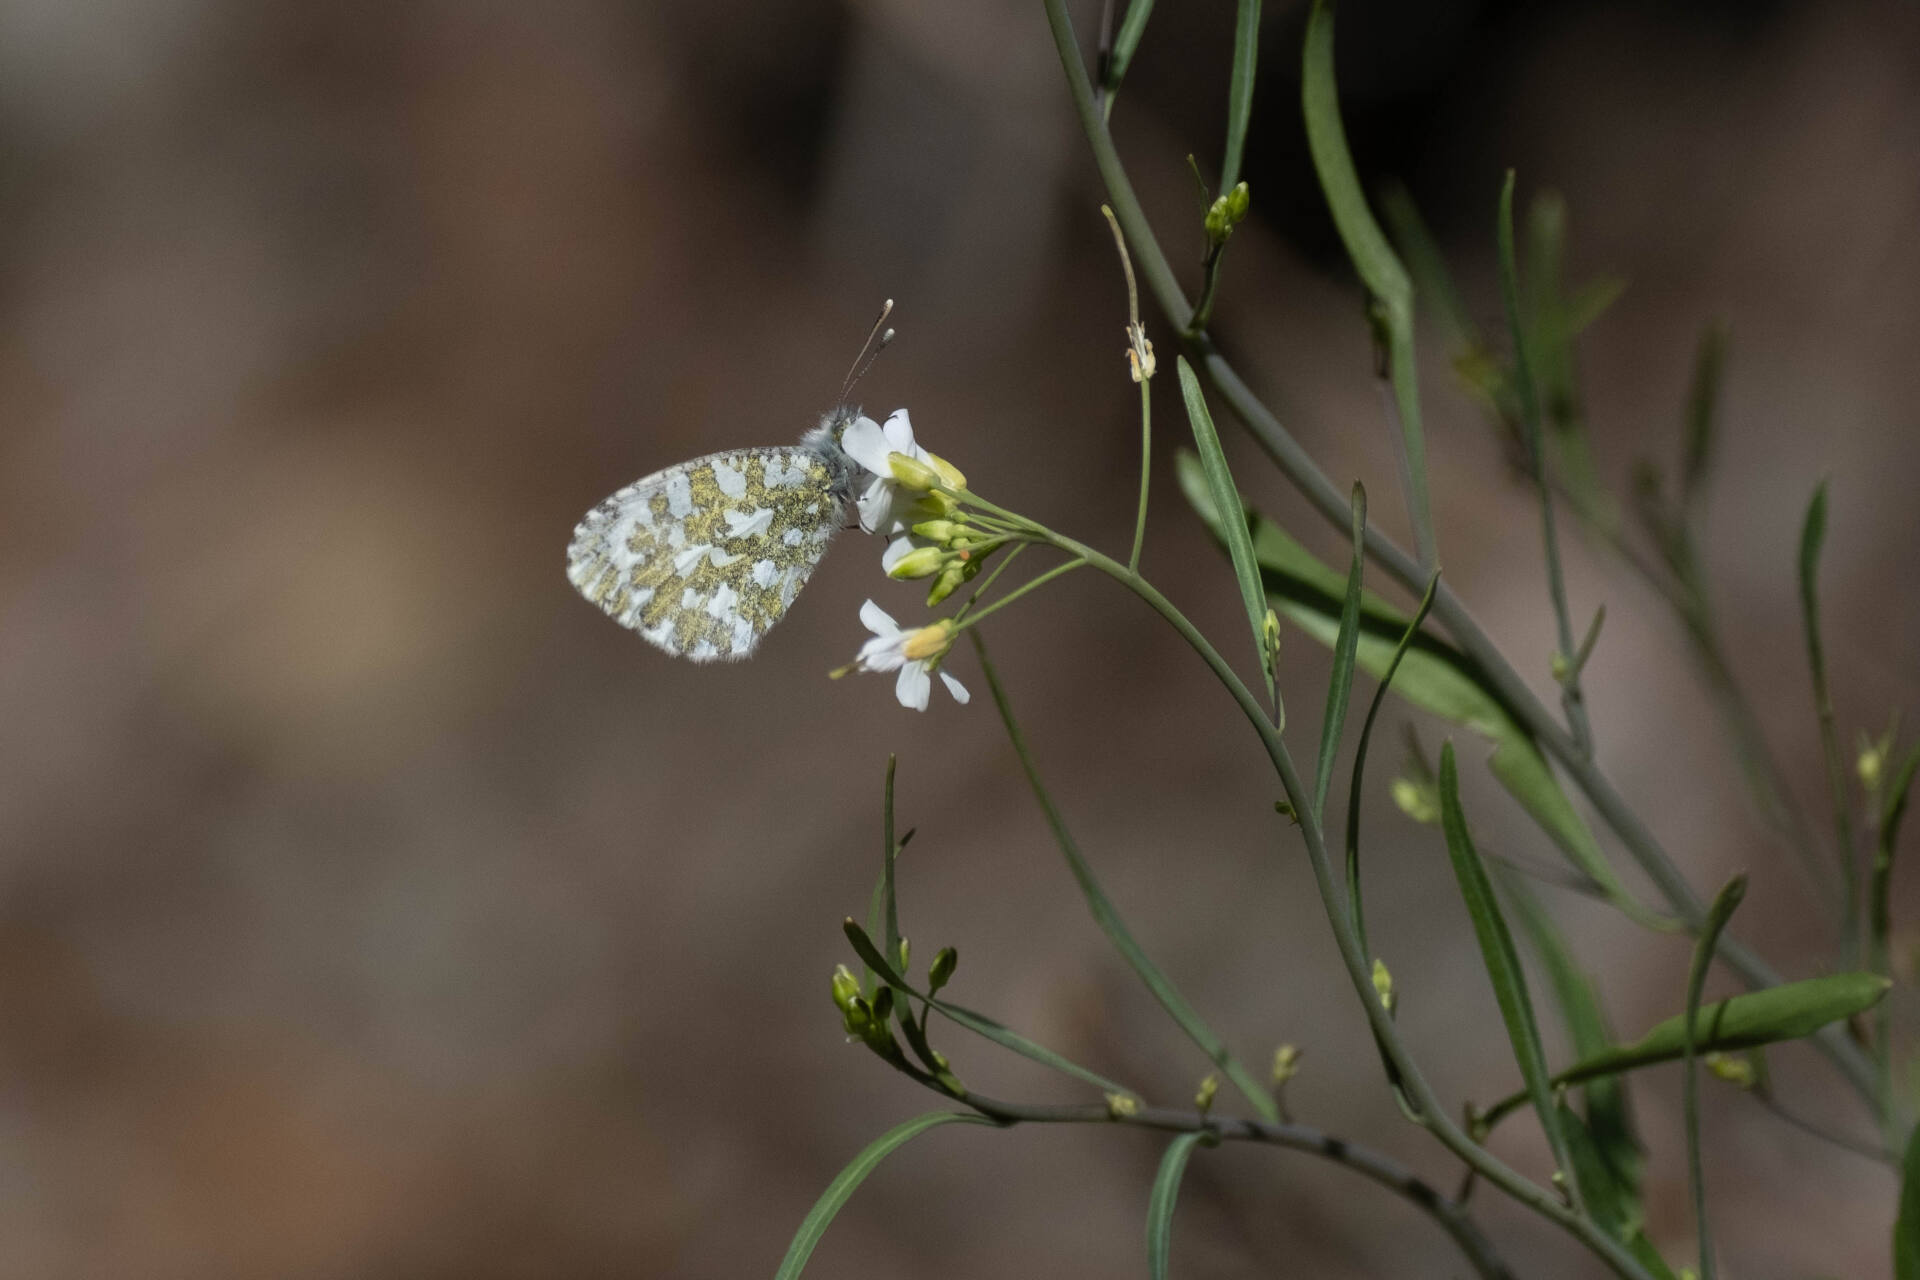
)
(372, 907)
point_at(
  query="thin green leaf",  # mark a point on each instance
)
(978, 1023)
(1724, 904)
(1502, 963)
(1906, 1228)
(1246, 60)
(1609, 1115)
(1523, 378)
(841, 1189)
(1893, 807)
(1791, 1011)
(1614, 1206)
(1373, 258)
(1354, 909)
(1433, 675)
(1166, 1188)
(1433, 284)
(1590, 301)
(1125, 43)
(1813, 534)
(890, 910)
(1102, 909)
(1227, 498)
(1340, 687)
(1702, 401)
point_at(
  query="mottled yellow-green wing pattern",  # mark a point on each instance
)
(703, 558)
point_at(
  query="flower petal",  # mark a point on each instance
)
(877, 621)
(913, 688)
(954, 687)
(866, 444)
(899, 433)
(876, 507)
(896, 552)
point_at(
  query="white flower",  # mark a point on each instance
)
(914, 654)
(869, 444)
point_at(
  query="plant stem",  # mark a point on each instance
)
(1030, 585)
(1448, 1214)
(1306, 476)
(1433, 1115)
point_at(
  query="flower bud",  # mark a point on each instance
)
(1419, 802)
(1219, 222)
(1270, 636)
(1870, 764)
(1383, 985)
(902, 960)
(1239, 200)
(932, 506)
(941, 531)
(1286, 1064)
(912, 472)
(1120, 1105)
(921, 562)
(1734, 1070)
(846, 987)
(940, 972)
(949, 474)
(1204, 1098)
(947, 583)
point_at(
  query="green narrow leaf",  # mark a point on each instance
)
(1503, 968)
(1246, 60)
(1791, 1011)
(841, 1189)
(1340, 687)
(1166, 1188)
(1432, 283)
(1906, 1228)
(1125, 43)
(978, 1023)
(1813, 533)
(1227, 498)
(1433, 675)
(1104, 914)
(1609, 1123)
(1724, 904)
(1614, 1206)
(1702, 401)
(1893, 807)
(1354, 909)
(1373, 258)
(890, 910)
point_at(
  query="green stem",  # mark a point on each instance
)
(1306, 476)
(1031, 585)
(1146, 471)
(1433, 1115)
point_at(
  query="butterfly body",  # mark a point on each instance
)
(704, 557)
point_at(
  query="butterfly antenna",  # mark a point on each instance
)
(877, 340)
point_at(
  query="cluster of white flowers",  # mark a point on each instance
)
(903, 471)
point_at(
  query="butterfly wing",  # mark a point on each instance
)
(703, 558)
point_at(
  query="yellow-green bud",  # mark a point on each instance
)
(1120, 1105)
(1286, 1064)
(921, 562)
(846, 987)
(912, 472)
(942, 531)
(933, 506)
(1204, 1098)
(945, 961)
(1419, 802)
(1270, 636)
(1735, 1071)
(1219, 222)
(1558, 666)
(949, 474)
(902, 959)
(1383, 985)
(1239, 200)
(1871, 763)
(947, 583)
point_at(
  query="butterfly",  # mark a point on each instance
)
(703, 558)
